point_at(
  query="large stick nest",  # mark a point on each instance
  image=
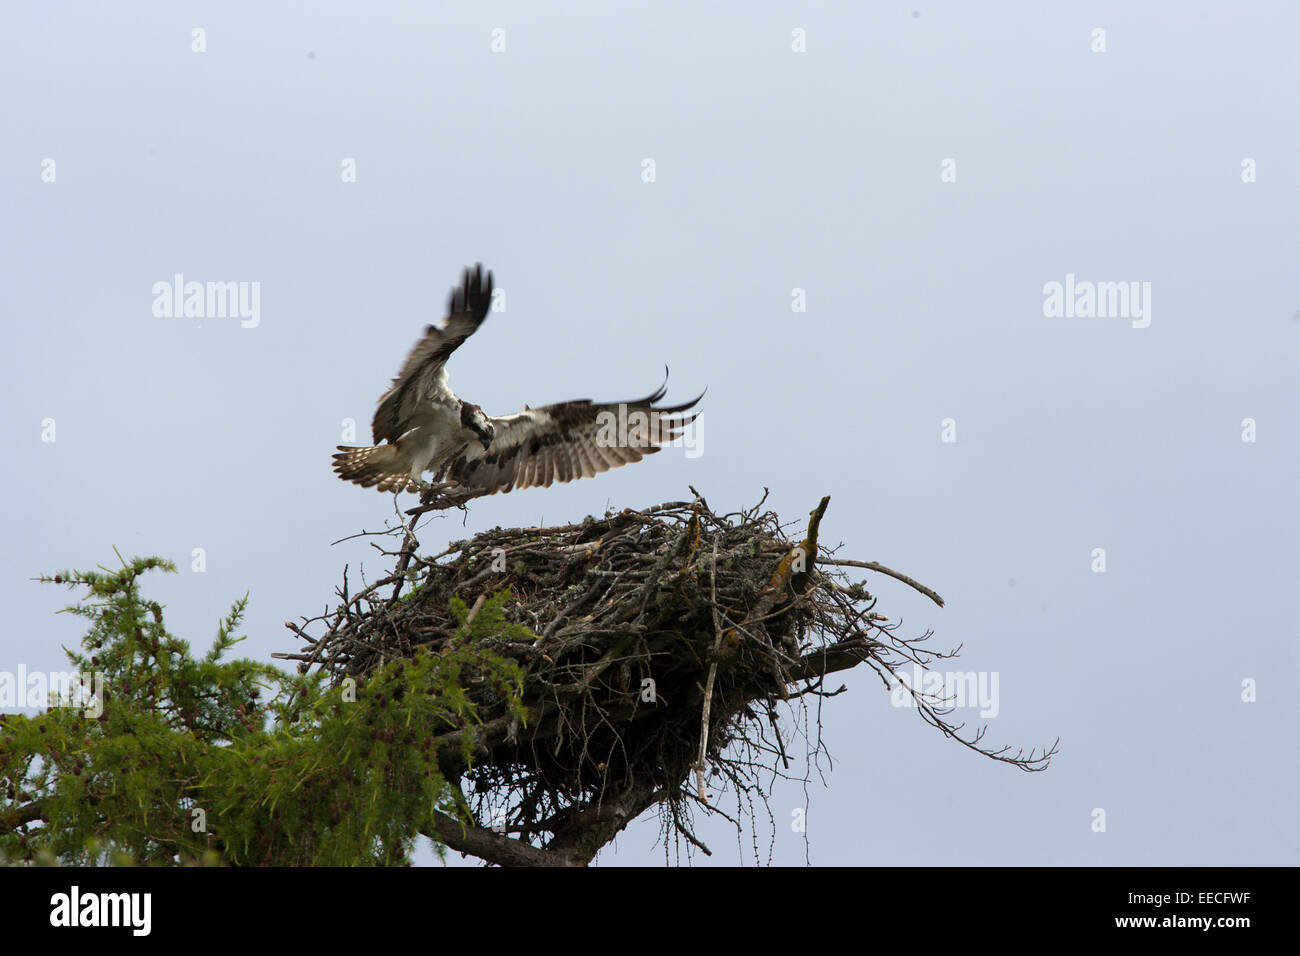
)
(639, 617)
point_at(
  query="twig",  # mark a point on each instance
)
(708, 686)
(877, 566)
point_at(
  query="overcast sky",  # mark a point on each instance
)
(660, 183)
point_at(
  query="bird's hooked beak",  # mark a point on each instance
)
(486, 437)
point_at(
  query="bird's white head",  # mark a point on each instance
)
(472, 417)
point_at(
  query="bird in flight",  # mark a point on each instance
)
(422, 426)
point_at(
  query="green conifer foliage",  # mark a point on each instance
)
(220, 760)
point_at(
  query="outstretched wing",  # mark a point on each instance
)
(566, 441)
(423, 374)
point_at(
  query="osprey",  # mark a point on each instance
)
(421, 425)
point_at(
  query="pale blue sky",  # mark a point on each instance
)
(775, 170)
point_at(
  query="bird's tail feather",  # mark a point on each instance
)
(376, 466)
